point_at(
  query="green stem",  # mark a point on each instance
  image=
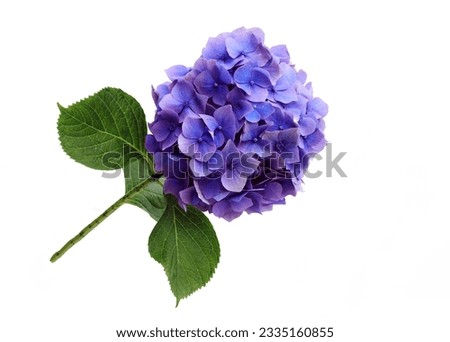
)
(116, 205)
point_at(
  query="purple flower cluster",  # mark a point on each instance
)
(235, 132)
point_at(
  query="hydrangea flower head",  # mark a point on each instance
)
(236, 131)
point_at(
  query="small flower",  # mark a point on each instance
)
(196, 140)
(254, 81)
(280, 120)
(213, 82)
(166, 128)
(183, 99)
(284, 144)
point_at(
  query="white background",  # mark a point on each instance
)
(367, 254)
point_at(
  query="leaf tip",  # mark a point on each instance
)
(60, 107)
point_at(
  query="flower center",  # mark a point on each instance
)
(252, 82)
(200, 140)
(219, 128)
(171, 127)
(255, 140)
(215, 84)
(280, 127)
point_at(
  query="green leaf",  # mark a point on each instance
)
(150, 198)
(100, 130)
(186, 245)
(107, 131)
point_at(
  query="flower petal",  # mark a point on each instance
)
(183, 91)
(193, 127)
(168, 102)
(317, 106)
(244, 74)
(233, 181)
(160, 130)
(176, 72)
(261, 77)
(306, 125)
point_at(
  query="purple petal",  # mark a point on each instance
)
(288, 78)
(252, 131)
(186, 145)
(229, 150)
(216, 162)
(160, 129)
(321, 125)
(289, 137)
(247, 165)
(252, 147)
(205, 149)
(190, 196)
(286, 96)
(221, 74)
(307, 126)
(198, 103)
(274, 70)
(223, 210)
(233, 181)
(253, 116)
(224, 114)
(215, 48)
(242, 108)
(171, 139)
(198, 168)
(315, 142)
(261, 56)
(257, 33)
(204, 83)
(257, 94)
(256, 200)
(183, 91)
(243, 74)
(176, 72)
(281, 52)
(234, 49)
(174, 186)
(219, 138)
(193, 127)
(246, 87)
(210, 122)
(160, 92)
(264, 108)
(317, 106)
(209, 188)
(261, 77)
(220, 96)
(168, 102)
(151, 144)
(301, 76)
(240, 204)
(273, 191)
